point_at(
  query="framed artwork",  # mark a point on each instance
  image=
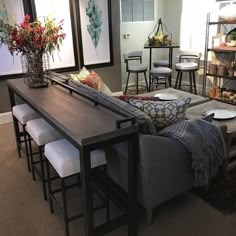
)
(65, 59)
(95, 35)
(11, 12)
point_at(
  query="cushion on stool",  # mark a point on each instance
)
(42, 132)
(161, 63)
(24, 113)
(186, 66)
(161, 71)
(137, 68)
(65, 158)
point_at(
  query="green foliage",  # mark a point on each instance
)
(94, 29)
(4, 26)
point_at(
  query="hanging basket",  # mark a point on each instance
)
(35, 68)
(162, 37)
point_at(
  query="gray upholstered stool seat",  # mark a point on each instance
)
(137, 68)
(186, 66)
(187, 63)
(65, 159)
(161, 63)
(41, 133)
(23, 113)
(160, 73)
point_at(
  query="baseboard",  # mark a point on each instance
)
(5, 118)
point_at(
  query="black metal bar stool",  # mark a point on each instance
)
(41, 133)
(21, 115)
(135, 68)
(64, 158)
(187, 63)
(161, 75)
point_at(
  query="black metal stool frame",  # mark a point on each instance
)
(19, 141)
(34, 168)
(64, 210)
(134, 58)
(192, 78)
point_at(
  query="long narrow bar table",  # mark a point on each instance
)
(88, 126)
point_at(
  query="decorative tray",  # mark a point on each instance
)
(221, 113)
(167, 96)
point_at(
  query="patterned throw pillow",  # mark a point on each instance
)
(163, 113)
(126, 98)
(93, 80)
(83, 73)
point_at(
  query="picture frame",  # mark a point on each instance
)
(66, 59)
(10, 66)
(95, 33)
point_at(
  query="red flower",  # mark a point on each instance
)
(25, 23)
(37, 36)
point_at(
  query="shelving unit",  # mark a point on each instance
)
(228, 50)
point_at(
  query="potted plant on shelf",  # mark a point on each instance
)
(35, 41)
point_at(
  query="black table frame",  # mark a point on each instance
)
(131, 136)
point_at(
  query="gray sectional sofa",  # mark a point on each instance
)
(164, 164)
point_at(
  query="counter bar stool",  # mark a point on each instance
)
(21, 115)
(135, 68)
(160, 73)
(41, 133)
(64, 158)
(187, 63)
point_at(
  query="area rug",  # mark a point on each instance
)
(221, 192)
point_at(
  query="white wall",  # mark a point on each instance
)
(170, 13)
(139, 32)
(172, 16)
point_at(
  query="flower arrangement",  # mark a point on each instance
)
(32, 37)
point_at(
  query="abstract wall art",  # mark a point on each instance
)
(66, 57)
(95, 37)
(11, 11)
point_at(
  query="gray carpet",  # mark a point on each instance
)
(23, 212)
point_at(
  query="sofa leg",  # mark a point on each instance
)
(149, 215)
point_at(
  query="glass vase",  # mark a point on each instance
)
(35, 68)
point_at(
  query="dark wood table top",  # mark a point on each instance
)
(75, 117)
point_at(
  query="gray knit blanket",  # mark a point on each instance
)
(206, 144)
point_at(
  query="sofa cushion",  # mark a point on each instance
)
(145, 122)
(163, 113)
(83, 73)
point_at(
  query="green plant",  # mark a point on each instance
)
(233, 35)
(94, 29)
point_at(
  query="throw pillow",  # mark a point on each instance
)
(163, 113)
(93, 80)
(83, 73)
(126, 98)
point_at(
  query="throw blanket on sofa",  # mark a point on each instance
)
(204, 141)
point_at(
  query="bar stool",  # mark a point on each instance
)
(136, 68)
(160, 73)
(41, 133)
(64, 158)
(21, 115)
(187, 63)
